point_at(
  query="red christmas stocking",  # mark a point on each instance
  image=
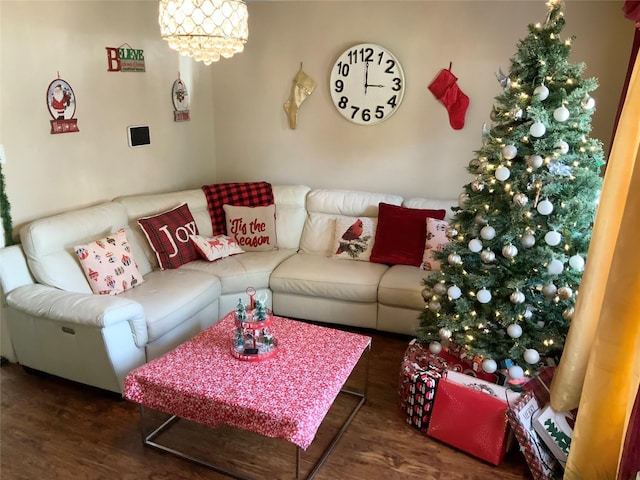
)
(445, 89)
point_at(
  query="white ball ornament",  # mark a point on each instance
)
(502, 173)
(435, 347)
(535, 161)
(454, 259)
(528, 240)
(483, 295)
(509, 251)
(489, 365)
(537, 129)
(516, 372)
(552, 238)
(454, 292)
(561, 114)
(527, 313)
(531, 356)
(487, 256)
(542, 92)
(555, 267)
(509, 152)
(576, 262)
(475, 245)
(488, 232)
(561, 146)
(445, 333)
(517, 297)
(545, 207)
(514, 330)
(588, 103)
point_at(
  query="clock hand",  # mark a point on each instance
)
(366, 77)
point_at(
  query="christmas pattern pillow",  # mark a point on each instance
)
(353, 238)
(108, 264)
(215, 248)
(436, 239)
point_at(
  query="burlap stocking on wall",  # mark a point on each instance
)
(301, 88)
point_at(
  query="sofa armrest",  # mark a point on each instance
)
(81, 308)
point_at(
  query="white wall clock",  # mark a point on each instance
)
(367, 84)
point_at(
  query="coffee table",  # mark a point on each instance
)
(286, 396)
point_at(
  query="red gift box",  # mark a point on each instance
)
(470, 414)
(461, 360)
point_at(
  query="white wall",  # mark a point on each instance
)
(48, 173)
(415, 152)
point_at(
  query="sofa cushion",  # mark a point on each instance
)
(401, 286)
(401, 234)
(253, 228)
(353, 238)
(109, 265)
(436, 239)
(168, 234)
(248, 194)
(321, 276)
(169, 297)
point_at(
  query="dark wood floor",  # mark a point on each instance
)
(55, 429)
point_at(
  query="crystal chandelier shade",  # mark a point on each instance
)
(204, 29)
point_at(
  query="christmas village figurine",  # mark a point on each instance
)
(252, 339)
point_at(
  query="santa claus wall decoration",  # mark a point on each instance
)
(180, 97)
(61, 102)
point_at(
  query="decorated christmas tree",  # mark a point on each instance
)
(519, 237)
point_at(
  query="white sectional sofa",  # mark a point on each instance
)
(57, 325)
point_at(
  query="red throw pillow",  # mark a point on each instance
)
(401, 234)
(168, 234)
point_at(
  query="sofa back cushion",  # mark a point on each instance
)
(49, 243)
(433, 204)
(324, 206)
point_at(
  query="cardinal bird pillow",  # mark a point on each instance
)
(353, 239)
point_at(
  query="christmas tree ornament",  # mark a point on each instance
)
(520, 199)
(531, 356)
(542, 92)
(454, 259)
(561, 147)
(528, 240)
(517, 297)
(549, 290)
(445, 333)
(588, 103)
(489, 365)
(463, 200)
(435, 347)
(509, 251)
(445, 88)
(454, 292)
(483, 295)
(480, 220)
(301, 87)
(576, 262)
(474, 163)
(545, 207)
(427, 293)
(567, 314)
(439, 288)
(475, 245)
(535, 161)
(477, 186)
(537, 129)
(555, 267)
(552, 238)
(516, 372)
(482, 168)
(565, 293)
(561, 114)
(487, 256)
(514, 330)
(515, 113)
(527, 313)
(502, 173)
(488, 232)
(434, 306)
(509, 152)
(451, 232)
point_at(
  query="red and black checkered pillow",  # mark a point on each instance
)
(168, 234)
(245, 194)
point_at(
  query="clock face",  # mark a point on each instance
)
(367, 84)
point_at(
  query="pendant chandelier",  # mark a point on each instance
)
(204, 29)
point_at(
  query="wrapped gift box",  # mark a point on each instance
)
(555, 429)
(459, 359)
(542, 464)
(470, 414)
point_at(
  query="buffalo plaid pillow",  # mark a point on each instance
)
(245, 194)
(168, 234)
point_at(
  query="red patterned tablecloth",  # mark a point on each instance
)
(285, 397)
